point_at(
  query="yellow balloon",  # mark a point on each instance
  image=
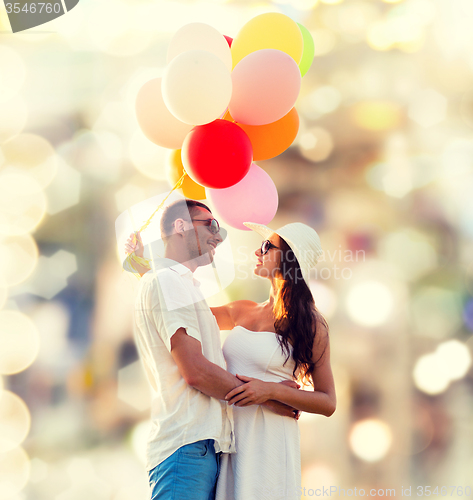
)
(175, 169)
(268, 31)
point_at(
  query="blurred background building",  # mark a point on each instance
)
(382, 168)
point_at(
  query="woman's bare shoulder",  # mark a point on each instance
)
(238, 305)
(243, 304)
(229, 315)
(239, 308)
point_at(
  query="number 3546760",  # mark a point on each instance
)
(33, 8)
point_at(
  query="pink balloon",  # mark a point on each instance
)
(266, 84)
(254, 199)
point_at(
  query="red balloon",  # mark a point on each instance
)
(217, 155)
(229, 40)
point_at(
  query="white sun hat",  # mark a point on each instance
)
(302, 239)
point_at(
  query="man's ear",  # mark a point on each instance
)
(179, 226)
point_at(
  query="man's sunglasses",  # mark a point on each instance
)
(213, 225)
(266, 247)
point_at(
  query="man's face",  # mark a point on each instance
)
(200, 240)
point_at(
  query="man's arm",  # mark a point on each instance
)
(197, 370)
(207, 377)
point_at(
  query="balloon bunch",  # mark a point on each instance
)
(222, 104)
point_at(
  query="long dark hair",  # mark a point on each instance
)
(296, 316)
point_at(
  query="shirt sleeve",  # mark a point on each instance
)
(171, 306)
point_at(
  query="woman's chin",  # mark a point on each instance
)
(259, 271)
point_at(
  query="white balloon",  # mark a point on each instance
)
(200, 36)
(197, 87)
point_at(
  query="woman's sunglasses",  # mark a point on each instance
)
(213, 225)
(266, 247)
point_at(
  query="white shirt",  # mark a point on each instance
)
(169, 298)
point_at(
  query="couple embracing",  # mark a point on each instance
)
(224, 422)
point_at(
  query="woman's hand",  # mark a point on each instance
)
(253, 392)
(134, 244)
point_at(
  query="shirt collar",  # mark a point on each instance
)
(179, 268)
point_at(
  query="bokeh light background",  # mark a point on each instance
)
(382, 168)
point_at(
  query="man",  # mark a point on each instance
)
(179, 343)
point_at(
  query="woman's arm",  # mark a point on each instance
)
(321, 400)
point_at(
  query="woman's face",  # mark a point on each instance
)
(267, 265)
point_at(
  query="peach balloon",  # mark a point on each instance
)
(272, 139)
(158, 124)
(266, 84)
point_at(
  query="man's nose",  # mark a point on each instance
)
(219, 238)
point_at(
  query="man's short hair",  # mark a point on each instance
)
(180, 209)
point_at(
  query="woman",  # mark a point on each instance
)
(282, 338)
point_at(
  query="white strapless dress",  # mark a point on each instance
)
(267, 464)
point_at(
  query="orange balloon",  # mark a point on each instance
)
(175, 169)
(272, 139)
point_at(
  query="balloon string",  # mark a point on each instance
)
(131, 257)
(177, 186)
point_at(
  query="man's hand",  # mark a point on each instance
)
(294, 413)
(134, 244)
(282, 409)
(291, 383)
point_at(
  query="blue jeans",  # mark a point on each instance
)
(191, 472)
